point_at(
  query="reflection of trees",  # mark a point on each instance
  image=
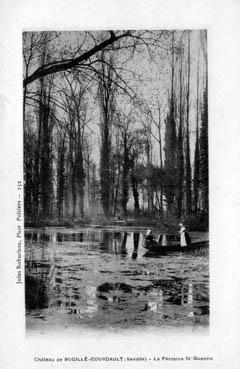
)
(113, 292)
(177, 292)
(36, 272)
(121, 243)
(39, 269)
(114, 242)
(36, 296)
(60, 281)
(135, 245)
(123, 246)
(159, 296)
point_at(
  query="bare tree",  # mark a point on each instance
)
(188, 160)
(107, 96)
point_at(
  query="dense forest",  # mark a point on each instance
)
(115, 126)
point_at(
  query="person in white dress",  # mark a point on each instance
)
(183, 241)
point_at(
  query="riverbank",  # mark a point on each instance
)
(139, 223)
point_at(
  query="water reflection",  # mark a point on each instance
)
(135, 245)
(103, 279)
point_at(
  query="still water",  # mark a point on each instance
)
(99, 278)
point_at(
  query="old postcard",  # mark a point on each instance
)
(120, 208)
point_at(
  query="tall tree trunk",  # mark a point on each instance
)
(188, 159)
(106, 99)
(45, 163)
(204, 143)
(117, 185)
(170, 185)
(36, 175)
(73, 180)
(196, 154)
(80, 174)
(105, 168)
(125, 170)
(180, 157)
(161, 160)
(135, 193)
(29, 145)
(149, 177)
(60, 178)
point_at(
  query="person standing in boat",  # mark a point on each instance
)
(185, 239)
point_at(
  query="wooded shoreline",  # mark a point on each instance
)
(133, 223)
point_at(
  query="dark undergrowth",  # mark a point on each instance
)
(168, 222)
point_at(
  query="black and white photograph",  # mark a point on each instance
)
(116, 205)
(119, 184)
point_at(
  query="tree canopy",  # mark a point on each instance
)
(110, 124)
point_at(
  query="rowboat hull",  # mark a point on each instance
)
(155, 247)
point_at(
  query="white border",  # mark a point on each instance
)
(221, 19)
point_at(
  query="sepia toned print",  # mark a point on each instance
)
(116, 180)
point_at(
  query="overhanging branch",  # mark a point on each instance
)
(63, 65)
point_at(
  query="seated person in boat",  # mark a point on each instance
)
(149, 235)
(185, 239)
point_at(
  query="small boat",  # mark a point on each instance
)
(171, 243)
